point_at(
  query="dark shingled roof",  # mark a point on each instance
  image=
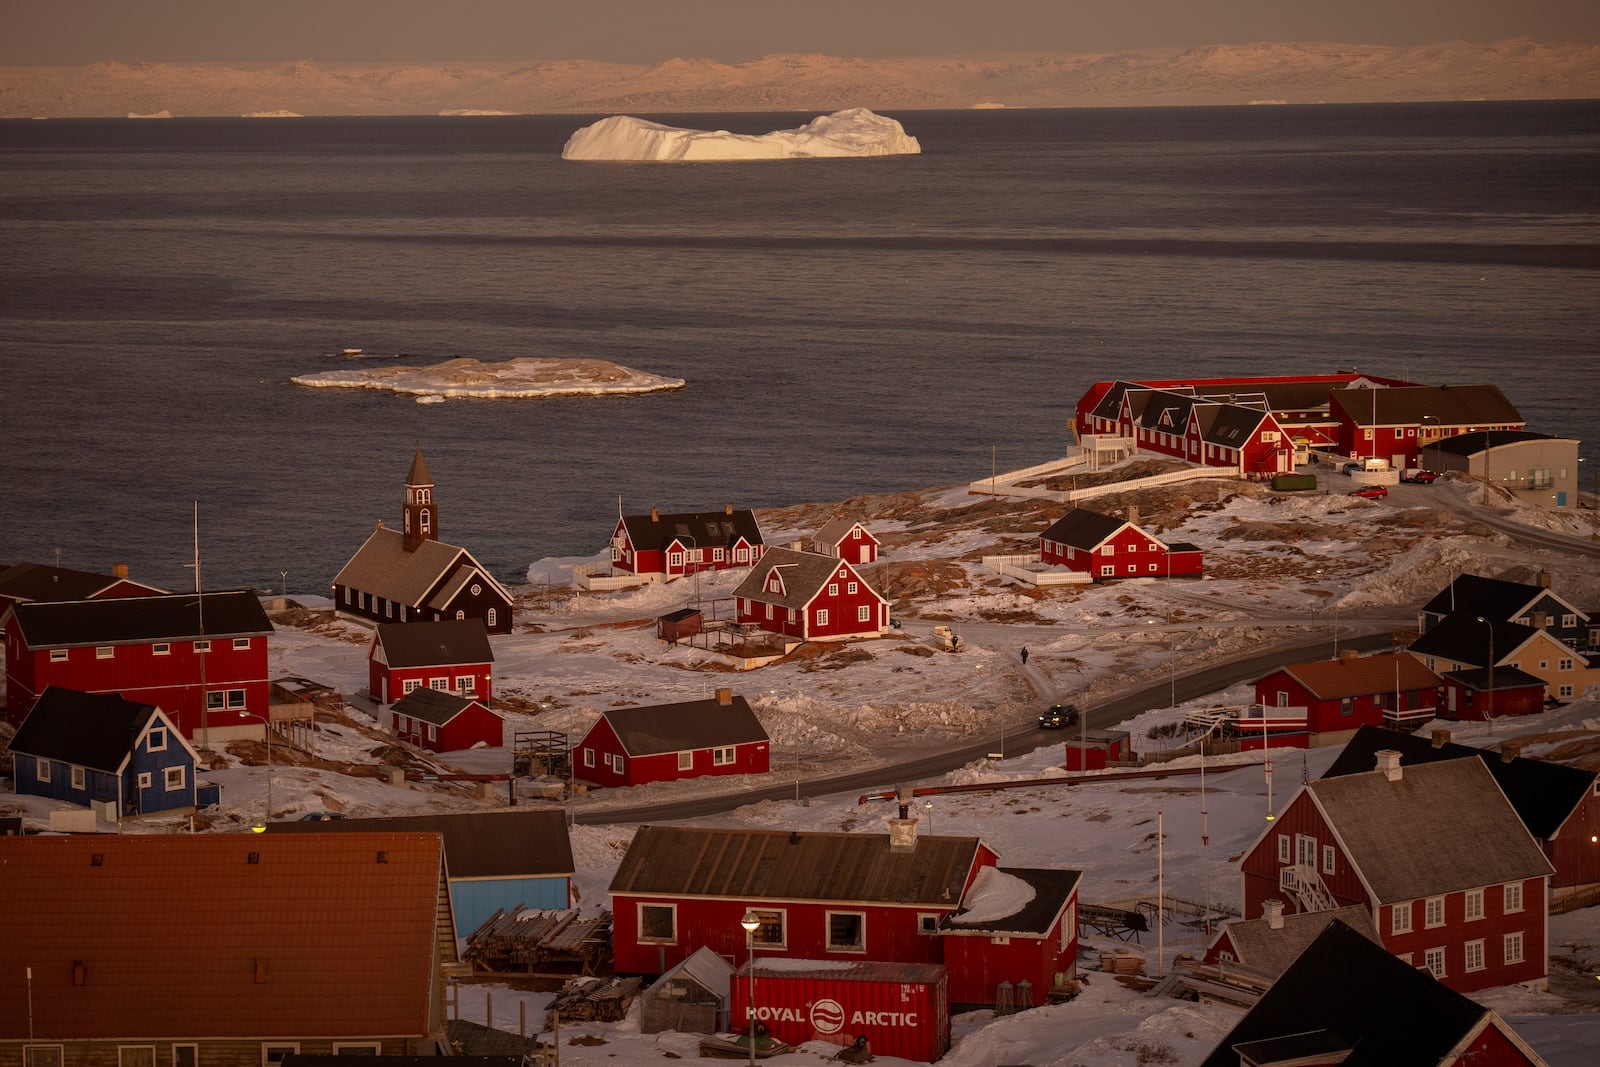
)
(1494, 598)
(1386, 1011)
(433, 644)
(131, 620)
(699, 529)
(795, 865)
(1452, 405)
(93, 730)
(434, 706)
(1083, 529)
(494, 844)
(1544, 794)
(1052, 889)
(1262, 950)
(35, 581)
(1463, 639)
(691, 724)
(803, 573)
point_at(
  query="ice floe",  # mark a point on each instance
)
(853, 132)
(529, 376)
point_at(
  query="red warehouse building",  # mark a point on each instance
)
(671, 546)
(1394, 423)
(818, 896)
(28, 582)
(149, 649)
(1435, 853)
(1337, 695)
(1107, 547)
(450, 656)
(811, 597)
(896, 1009)
(666, 742)
(1015, 938)
(444, 722)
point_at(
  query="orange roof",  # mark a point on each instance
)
(182, 935)
(1363, 675)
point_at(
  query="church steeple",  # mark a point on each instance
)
(421, 514)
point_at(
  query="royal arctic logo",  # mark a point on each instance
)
(827, 1016)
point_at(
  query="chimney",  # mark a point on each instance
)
(119, 570)
(1510, 750)
(1272, 911)
(727, 509)
(724, 697)
(903, 831)
(1544, 579)
(655, 516)
(1389, 764)
(1133, 514)
(378, 525)
(1441, 738)
(1348, 655)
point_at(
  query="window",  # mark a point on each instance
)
(1568, 621)
(852, 588)
(175, 778)
(1153, 568)
(106, 652)
(441, 685)
(79, 778)
(1474, 956)
(833, 588)
(185, 1056)
(466, 684)
(1283, 848)
(1511, 896)
(1511, 947)
(158, 739)
(1564, 664)
(1224, 956)
(41, 1056)
(143, 781)
(1474, 905)
(658, 922)
(1564, 691)
(136, 1056)
(491, 618)
(1400, 918)
(1108, 571)
(1305, 850)
(847, 931)
(162, 648)
(362, 1049)
(588, 757)
(686, 761)
(236, 699)
(477, 590)
(433, 732)
(41, 768)
(1434, 961)
(1328, 860)
(272, 1055)
(928, 923)
(864, 613)
(616, 763)
(241, 644)
(1109, 550)
(822, 616)
(409, 686)
(1433, 912)
(771, 933)
(58, 655)
(400, 723)
(721, 757)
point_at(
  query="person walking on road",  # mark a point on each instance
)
(1024, 655)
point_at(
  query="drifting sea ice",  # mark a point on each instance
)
(853, 132)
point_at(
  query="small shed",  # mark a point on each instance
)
(691, 998)
(1095, 750)
(677, 625)
(1482, 693)
(444, 722)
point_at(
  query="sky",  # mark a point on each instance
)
(74, 32)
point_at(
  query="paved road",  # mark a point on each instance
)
(1188, 686)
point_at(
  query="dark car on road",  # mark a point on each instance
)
(1057, 716)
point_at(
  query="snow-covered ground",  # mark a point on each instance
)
(1280, 569)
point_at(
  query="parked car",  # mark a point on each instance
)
(1369, 464)
(1057, 716)
(1371, 492)
(1419, 477)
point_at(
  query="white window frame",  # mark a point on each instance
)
(467, 684)
(41, 768)
(1433, 959)
(686, 760)
(1284, 851)
(852, 588)
(59, 655)
(1108, 570)
(861, 928)
(80, 778)
(672, 911)
(162, 648)
(822, 616)
(433, 732)
(769, 917)
(1472, 905)
(108, 652)
(237, 700)
(1433, 913)
(157, 739)
(273, 1052)
(28, 1059)
(1329, 859)
(439, 685)
(1400, 918)
(724, 756)
(833, 588)
(143, 780)
(202, 646)
(1305, 851)
(588, 757)
(1511, 947)
(174, 777)
(241, 644)
(928, 923)
(1473, 956)
(864, 613)
(1511, 897)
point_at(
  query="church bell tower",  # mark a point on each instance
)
(421, 514)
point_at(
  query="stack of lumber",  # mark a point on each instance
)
(599, 999)
(524, 939)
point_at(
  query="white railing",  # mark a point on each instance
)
(1306, 885)
(1188, 475)
(1028, 569)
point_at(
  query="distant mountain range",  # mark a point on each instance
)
(1217, 74)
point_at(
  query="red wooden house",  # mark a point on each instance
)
(1481, 694)
(444, 722)
(1205, 431)
(666, 742)
(409, 575)
(35, 582)
(1435, 853)
(1017, 925)
(1108, 547)
(1559, 804)
(811, 597)
(671, 546)
(1393, 423)
(1338, 695)
(1345, 1001)
(847, 539)
(450, 656)
(819, 896)
(201, 659)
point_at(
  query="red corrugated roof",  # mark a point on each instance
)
(183, 936)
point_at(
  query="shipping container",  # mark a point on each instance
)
(1294, 483)
(902, 1009)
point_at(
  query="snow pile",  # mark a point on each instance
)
(993, 896)
(853, 132)
(525, 377)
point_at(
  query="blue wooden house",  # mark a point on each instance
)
(496, 859)
(85, 748)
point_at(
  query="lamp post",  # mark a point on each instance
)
(266, 727)
(929, 805)
(285, 576)
(751, 922)
(1488, 710)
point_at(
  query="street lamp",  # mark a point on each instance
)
(751, 922)
(1488, 710)
(266, 727)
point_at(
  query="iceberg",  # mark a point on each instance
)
(530, 376)
(852, 132)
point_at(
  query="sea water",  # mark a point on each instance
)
(844, 327)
